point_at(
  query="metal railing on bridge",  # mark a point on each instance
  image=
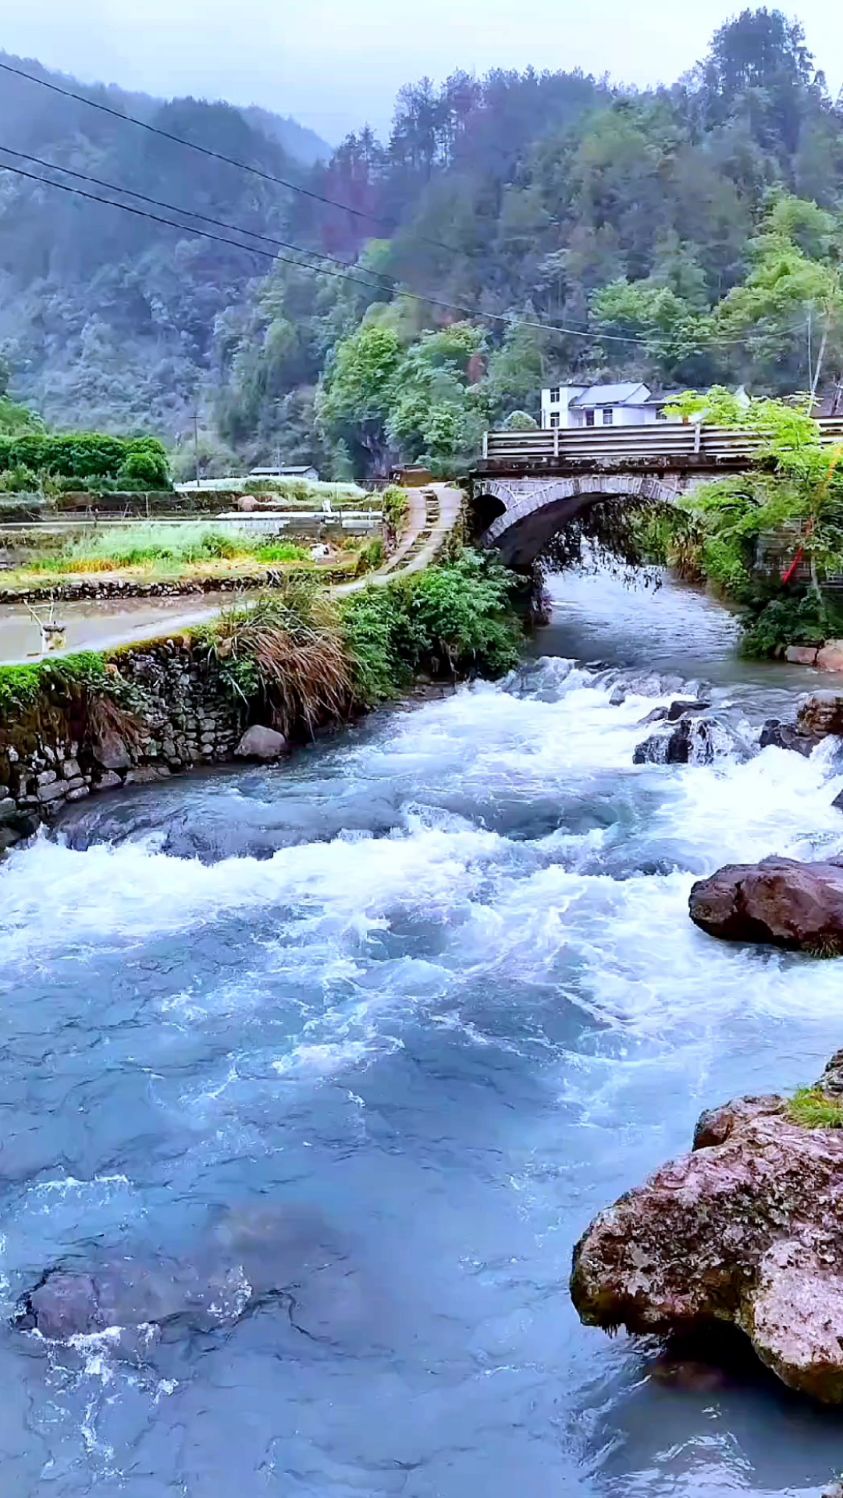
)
(663, 441)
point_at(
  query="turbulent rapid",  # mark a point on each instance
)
(399, 1017)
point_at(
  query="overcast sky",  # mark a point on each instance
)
(335, 64)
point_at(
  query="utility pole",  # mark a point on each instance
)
(820, 357)
(196, 441)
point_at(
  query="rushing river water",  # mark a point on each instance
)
(427, 997)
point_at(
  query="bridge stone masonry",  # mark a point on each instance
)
(529, 485)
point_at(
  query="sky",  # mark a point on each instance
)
(337, 64)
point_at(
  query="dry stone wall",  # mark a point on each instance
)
(54, 756)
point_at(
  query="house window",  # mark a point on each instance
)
(554, 420)
(553, 395)
(589, 418)
(608, 416)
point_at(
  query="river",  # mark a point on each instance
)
(431, 992)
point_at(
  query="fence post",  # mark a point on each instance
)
(697, 438)
(556, 442)
(485, 445)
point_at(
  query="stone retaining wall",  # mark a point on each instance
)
(103, 585)
(51, 759)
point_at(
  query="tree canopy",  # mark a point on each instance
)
(516, 229)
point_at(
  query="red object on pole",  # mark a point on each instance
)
(789, 575)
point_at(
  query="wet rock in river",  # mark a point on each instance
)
(820, 713)
(691, 740)
(251, 1256)
(746, 1230)
(682, 705)
(779, 735)
(261, 744)
(779, 901)
(130, 1292)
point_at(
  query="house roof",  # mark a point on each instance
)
(632, 393)
(284, 469)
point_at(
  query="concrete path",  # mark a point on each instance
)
(433, 512)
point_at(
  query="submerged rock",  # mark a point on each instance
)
(261, 744)
(251, 1256)
(746, 1230)
(779, 900)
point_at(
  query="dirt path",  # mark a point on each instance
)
(104, 625)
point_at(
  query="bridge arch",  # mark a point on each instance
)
(535, 509)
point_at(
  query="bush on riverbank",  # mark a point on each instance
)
(451, 620)
(285, 658)
(768, 540)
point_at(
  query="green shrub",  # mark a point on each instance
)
(86, 455)
(449, 620)
(395, 503)
(19, 480)
(789, 620)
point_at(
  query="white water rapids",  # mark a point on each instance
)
(432, 985)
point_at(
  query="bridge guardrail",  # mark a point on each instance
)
(656, 440)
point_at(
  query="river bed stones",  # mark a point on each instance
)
(253, 1256)
(260, 743)
(686, 740)
(820, 713)
(746, 1230)
(778, 901)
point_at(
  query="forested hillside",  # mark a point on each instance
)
(107, 317)
(514, 229)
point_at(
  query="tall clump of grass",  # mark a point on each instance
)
(286, 654)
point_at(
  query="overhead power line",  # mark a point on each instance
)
(508, 319)
(283, 244)
(242, 166)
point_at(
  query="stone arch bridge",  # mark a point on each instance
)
(529, 485)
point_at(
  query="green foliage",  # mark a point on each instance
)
(359, 391)
(87, 455)
(15, 418)
(19, 480)
(673, 333)
(520, 421)
(801, 619)
(449, 620)
(701, 221)
(814, 1108)
(21, 687)
(395, 503)
(717, 407)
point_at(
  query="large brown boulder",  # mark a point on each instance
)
(820, 713)
(747, 1230)
(779, 900)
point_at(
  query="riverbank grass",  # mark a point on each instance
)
(815, 1109)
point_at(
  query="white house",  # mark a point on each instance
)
(624, 405)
